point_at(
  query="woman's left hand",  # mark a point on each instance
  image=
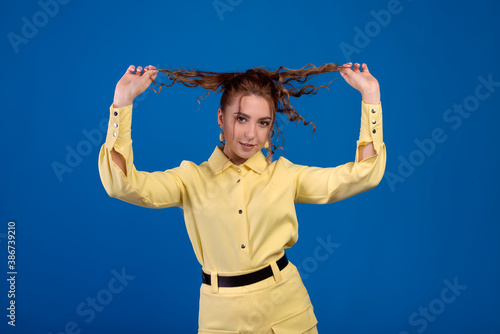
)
(364, 82)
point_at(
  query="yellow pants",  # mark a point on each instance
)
(279, 304)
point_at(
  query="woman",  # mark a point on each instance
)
(239, 206)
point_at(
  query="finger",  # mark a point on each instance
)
(130, 69)
(346, 65)
(365, 68)
(139, 70)
(151, 74)
(152, 68)
(356, 68)
(346, 74)
(346, 70)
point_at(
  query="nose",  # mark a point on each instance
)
(250, 131)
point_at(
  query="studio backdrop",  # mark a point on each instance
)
(417, 254)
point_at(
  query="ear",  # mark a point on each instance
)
(220, 117)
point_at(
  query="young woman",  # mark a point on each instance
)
(239, 206)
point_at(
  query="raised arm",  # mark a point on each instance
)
(369, 88)
(318, 185)
(369, 96)
(129, 87)
(116, 166)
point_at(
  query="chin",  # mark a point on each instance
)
(246, 155)
(242, 153)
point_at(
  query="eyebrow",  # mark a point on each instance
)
(248, 116)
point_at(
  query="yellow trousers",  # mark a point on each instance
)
(279, 304)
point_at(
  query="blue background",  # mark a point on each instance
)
(431, 220)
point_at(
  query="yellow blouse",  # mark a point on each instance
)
(239, 217)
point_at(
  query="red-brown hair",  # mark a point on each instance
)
(274, 86)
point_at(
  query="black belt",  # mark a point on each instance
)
(245, 279)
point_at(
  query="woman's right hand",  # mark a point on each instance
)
(133, 84)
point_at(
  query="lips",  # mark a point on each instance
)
(247, 145)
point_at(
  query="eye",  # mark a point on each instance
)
(241, 118)
(265, 123)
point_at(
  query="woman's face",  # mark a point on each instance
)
(251, 125)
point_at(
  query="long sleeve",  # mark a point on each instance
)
(318, 185)
(153, 190)
(371, 127)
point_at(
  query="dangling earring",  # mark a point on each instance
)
(221, 138)
(266, 145)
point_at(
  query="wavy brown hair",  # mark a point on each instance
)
(275, 86)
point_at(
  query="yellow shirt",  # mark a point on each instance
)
(239, 217)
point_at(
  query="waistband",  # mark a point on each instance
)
(246, 279)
